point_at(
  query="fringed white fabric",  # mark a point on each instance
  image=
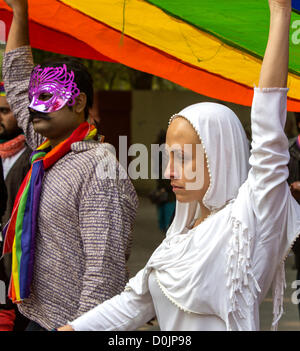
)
(241, 281)
(279, 285)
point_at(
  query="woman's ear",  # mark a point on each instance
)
(80, 103)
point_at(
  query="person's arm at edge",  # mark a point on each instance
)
(274, 68)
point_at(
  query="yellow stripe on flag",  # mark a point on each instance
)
(153, 27)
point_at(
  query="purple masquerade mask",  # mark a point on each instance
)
(51, 88)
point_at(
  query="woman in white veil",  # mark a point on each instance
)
(235, 219)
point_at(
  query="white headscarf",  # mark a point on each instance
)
(227, 153)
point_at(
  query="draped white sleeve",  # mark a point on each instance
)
(126, 311)
(277, 213)
(266, 215)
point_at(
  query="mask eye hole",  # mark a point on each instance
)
(45, 96)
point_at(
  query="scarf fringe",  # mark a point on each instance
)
(279, 286)
(240, 279)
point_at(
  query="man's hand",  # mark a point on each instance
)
(18, 35)
(17, 5)
(295, 190)
(65, 328)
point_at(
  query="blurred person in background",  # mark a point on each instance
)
(294, 182)
(15, 155)
(163, 196)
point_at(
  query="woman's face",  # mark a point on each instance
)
(187, 167)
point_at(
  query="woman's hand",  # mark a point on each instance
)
(280, 3)
(274, 70)
(65, 328)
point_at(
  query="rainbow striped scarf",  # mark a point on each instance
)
(20, 231)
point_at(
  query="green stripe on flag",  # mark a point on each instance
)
(19, 225)
(239, 23)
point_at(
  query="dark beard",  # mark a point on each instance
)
(36, 114)
(9, 136)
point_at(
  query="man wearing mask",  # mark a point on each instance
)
(70, 232)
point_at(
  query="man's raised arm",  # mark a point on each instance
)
(18, 35)
(17, 67)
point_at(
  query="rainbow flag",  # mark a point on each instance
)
(214, 48)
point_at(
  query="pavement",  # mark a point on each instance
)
(147, 237)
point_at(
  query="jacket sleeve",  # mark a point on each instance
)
(16, 71)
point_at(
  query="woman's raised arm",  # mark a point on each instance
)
(274, 69)
(269, 192)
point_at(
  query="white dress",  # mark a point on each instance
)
(214, 276)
